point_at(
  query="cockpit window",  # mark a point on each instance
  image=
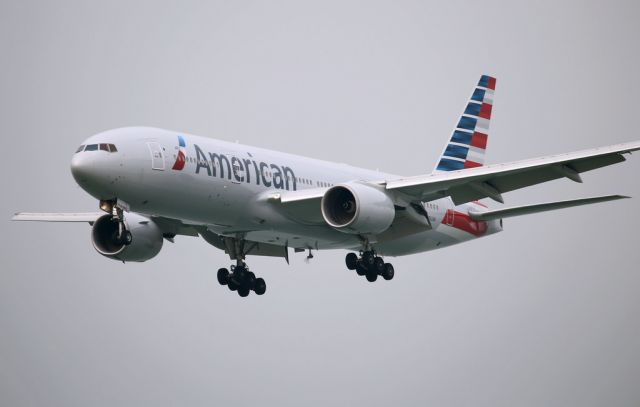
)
(109, 148)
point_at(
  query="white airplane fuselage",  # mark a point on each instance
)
(157, 184)
(227, 186)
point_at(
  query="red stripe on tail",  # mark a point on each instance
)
(479, 140)
(491, 83)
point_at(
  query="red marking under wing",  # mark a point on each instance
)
(464, 222)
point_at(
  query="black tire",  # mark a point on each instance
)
(351, 260)
(239, 274)
(232, 284)
(367, 259)
(260, 287)
(243, 292)
(127, 238)
(388, 272)
(360, 269)
(371, 277)
(249, 280)
(223, 276)
(378, 265)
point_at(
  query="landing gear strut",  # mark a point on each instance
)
(123, 236)
(241, 279)
(369, 265)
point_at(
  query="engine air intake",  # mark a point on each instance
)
(357, 208)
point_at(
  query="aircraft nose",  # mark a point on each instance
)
(89, 171)
(81, 168)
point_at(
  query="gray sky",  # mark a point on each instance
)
(545, 313)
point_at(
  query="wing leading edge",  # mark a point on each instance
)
(57, 217)
(494, 180)
(167, 225)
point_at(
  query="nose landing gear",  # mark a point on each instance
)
(369, 265)
(122, 235)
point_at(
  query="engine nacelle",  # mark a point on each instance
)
(146, 243)
(358, 208)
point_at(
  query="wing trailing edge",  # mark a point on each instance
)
(543, 207)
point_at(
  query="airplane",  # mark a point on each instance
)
(153, 185)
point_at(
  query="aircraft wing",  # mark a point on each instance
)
(491, 181)
(537, 208)
(57, 217)
(302, 205)
(167, 225)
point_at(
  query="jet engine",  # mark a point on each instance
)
(146, 238)
(357, 208)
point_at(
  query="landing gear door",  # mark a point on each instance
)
(157, 156)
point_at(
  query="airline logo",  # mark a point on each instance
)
(468, 144)
(182, 156)
(241, 169)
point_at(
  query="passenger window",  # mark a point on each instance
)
(81, 148)
(91, 147)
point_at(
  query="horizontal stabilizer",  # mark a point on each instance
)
(550, 206)
(58, 217)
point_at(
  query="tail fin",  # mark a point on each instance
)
(469, 140)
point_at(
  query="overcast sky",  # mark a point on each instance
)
(545, 313)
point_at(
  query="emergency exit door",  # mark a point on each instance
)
(157, 156)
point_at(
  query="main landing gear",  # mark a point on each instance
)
(242, 280)
(369, 265)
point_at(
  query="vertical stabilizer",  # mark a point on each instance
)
(468, 143)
